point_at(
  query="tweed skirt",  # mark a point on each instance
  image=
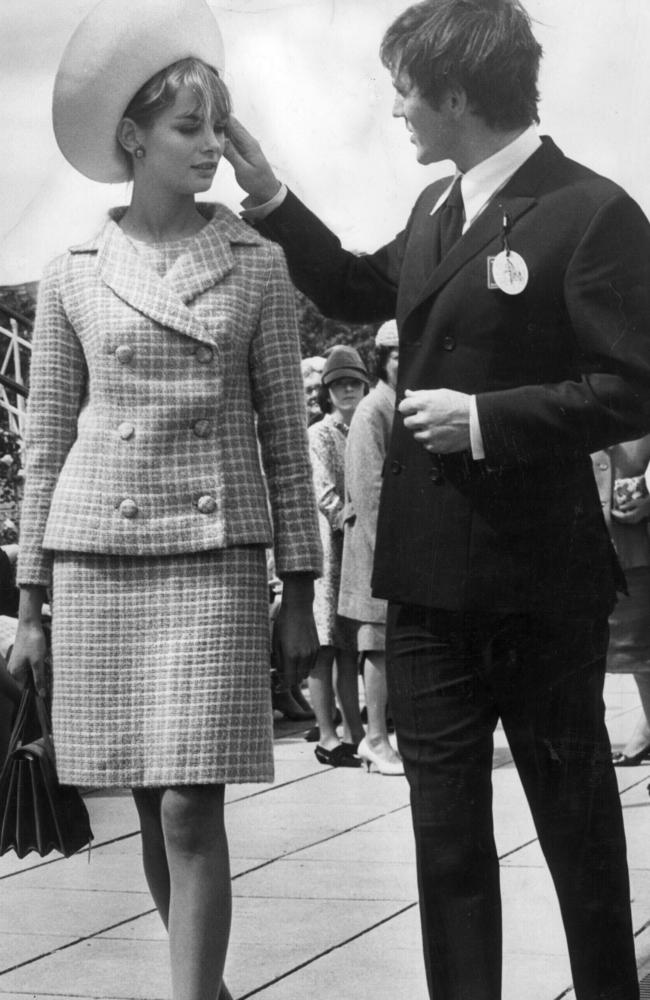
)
(161, 669)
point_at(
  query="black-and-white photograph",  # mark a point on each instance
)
(324, 500)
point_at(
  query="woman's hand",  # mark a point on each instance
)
(253, 171)
(30, 646)
(295, 640)
(29, 653)
(632, 511)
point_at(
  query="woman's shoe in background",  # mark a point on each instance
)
(384, 763)
(338, 757)
(620, 759)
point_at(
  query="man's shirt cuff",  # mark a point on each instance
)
(255, 212)
(475, 436)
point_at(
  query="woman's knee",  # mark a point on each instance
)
(192, 817)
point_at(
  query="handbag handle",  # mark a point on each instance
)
(43, 718)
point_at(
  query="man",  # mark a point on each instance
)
(522, 298)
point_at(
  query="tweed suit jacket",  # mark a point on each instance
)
(560, 370)
(147, 398)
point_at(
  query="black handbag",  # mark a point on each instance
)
(36, 812)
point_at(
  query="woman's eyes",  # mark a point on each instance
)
(218, 128)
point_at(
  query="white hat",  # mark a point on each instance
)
(386, 335)
(118, 47)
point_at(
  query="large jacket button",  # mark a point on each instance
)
(436, 474)
(124, 354)
(202, 428)
(128, 508)
(396, 467)
(449, 343)
(206, 504)
(126, 430)
(204, 354)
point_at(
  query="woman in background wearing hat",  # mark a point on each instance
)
(365, 453)
(344, 382)
(156, 345)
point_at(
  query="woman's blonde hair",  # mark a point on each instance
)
(161, 90)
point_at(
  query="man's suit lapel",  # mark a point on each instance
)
(516, 198)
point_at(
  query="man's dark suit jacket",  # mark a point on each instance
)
(559, 371)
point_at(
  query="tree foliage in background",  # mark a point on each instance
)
(318, 334)
(20, 301)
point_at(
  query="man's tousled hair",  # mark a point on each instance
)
(487, 47)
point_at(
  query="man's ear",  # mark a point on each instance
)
(128, 135)
(455, 101)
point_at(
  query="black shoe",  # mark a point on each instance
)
(338, 757)
(350, 748)
(312, 735)
(620, 759)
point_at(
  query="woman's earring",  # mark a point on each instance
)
(139, 152)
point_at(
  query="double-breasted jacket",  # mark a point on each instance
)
(559, 370)
(148, 396)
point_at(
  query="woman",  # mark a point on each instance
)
(312, 373)
(364, 459)
(156, 346)
(622, 472)
(344, 383)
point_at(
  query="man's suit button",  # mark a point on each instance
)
(206, 504)
(124, 354)
(128, 508)
(126, 430)
(204, 354)
(448, 343)
(396, 468)
(202, 428)
(435, 474)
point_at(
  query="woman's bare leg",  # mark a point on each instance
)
(154, 854)
(185, 855)
(347, 690)
(321, 692)
(374, 676)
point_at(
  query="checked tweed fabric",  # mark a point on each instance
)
(152, 383)
(145, 394)
(161, 669)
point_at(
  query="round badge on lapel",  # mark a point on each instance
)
(510, 272)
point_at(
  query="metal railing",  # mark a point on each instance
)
(13, 391)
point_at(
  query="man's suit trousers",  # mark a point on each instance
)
(451, 677)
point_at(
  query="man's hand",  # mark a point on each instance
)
(438, 418)
(252, 169)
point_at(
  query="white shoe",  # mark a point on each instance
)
(384, 765)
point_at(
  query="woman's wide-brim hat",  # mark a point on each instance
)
(118, 47)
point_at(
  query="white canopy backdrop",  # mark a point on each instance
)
(306, 78)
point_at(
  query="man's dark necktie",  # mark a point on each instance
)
(451, 219)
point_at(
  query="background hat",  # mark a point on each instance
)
(344, 362)
(118, 47)
(386, 335)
